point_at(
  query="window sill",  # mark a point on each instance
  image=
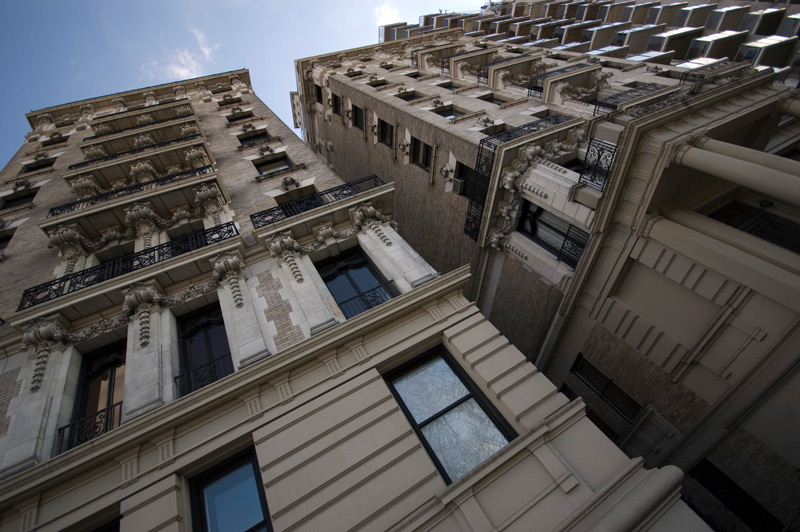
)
(257, 144)
(243, 121)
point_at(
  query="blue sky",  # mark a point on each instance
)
(55, 52)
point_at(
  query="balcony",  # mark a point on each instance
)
(194, 379)
(312, 201)
(125, 264)
(129, 190)
(135, 151)
(89, 427)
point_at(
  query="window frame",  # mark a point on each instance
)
(185, 366)
(318, 93)
(336, 104)
(602, 385)
(358, 117)
(473, 392)
(421, 154)
(383, 137)
(217, 472)
(275, 158)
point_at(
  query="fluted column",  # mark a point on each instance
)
(773, 183)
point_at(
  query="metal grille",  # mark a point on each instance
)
(597, 165)
(125, 264)
(536, 85)
(127, 191)
(312, 201)
(89, 427)
(194, 379)
(367, 300)
(479, 188)
(613, 102)
(761, 224)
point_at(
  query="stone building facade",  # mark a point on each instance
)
(629, 212)
(207, 329)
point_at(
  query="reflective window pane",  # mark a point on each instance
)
(232, 503)
(463, 438)
(429, 389)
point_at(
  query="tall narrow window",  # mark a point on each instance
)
(385, 133)
(457, 425)
(230, 498)
(552, 233)
(318, 93)
(205, 355)
(420, 153)
(355, 284)
(336, 103)
(98, 403)
(358, 117)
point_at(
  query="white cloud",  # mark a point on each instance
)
(182, 63)
(386, 13)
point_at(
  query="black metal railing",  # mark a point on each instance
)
(479, 188)
(194, 379)
(367, 300)
(127, 191)
(612, 103)
(125, 264)
(597, 164)
(567, 250)
(312, 201)
(536, 84)
(138, 126)
(89, 427)
(483, 70)
(131, 152)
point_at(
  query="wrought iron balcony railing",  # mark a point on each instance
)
(138, 126)
(597, 164)
(127, 191)
(89, 427)
(367, 300)
(194, 379)
(125, 264)
(131, 152)
(312, 201)
(613, 102)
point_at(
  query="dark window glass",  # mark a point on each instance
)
(336, 103)
(457, 425)
(420, 153)
(98, 403)
(761, 224)
(552, 233)
(318, 93)
(358, 117)
(385, 133)
(18, 199)
(205, 355)
(274, 165)
(355, 284)
(230, 498)
(449, 112)
(468, 176)
(612, 394)
(258, 136)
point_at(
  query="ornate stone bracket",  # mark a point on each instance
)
(145, 140)
(229, 266)
(196, 157)
(84, 186)
(286, 247)
(145, 119)
(142, 298)
(42, 335)
(95, 152)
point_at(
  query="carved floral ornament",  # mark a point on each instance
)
(228, 267)
(84, 186)
(530, 156)
(143, 171)
(42, 336)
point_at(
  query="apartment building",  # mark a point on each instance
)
(631, 221)
(207, 329)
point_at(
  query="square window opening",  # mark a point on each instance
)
(273, 165)
(450, 112)
(421, 153)
(458, 426)
(23, 197)
(253, 137)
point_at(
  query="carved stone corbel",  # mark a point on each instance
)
(145, 119)
(228, 266)
(180, 92)
(118, 104)
(150, 98)
(142, 218)
(41, 337)
(368, 216)
(286, 247)
(70, 244)
(207, 197)
(196, 157)
(142, 298)
(189, 130)
(87, 112)
(145, 140)
(93, 153)
(84, 186)
(183, 110)
(44, 121)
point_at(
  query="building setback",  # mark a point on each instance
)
(207, 329)
(631, 222)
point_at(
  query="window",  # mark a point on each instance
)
(358, 117)
(493, 98)
(385, 133)
(420, 153)
(251, 138)
(98, 402)
(612, 394)
(230, 499)
(448, 111)
(19, 198)
(354, 282)
(410, 95)
(318, 93)
(205, 355)
(238, 114)
(274, 165)
(552, 233)
(39, 164)
(468, 176)
(457, 425)
(336, 103)
(761, 224)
